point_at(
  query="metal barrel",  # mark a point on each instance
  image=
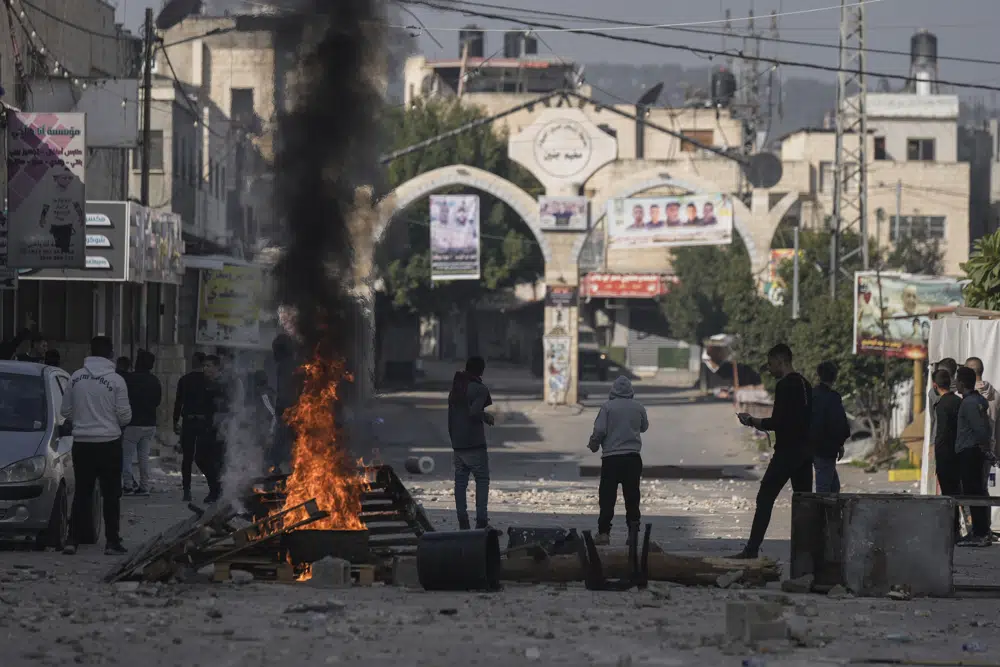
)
(462, 560)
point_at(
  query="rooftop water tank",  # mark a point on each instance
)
(723, 87)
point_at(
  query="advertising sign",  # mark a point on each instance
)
(46, 164)
(163, 248)
(560, 296)
(892, 311)
(774, 287)
(557, 366)
(558, 214)
(231, 302)
(667, 221)
(626, 285)
(455, 237)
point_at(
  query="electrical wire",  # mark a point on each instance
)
(716, 33)
(71, 24)
(692, 49)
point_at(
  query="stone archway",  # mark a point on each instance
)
(430, 182)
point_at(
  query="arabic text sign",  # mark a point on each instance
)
(892, 311)
(230, 301)
(46, 165)
(670, 221)
(454, 237)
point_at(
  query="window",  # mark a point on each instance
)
(155, 152)
(22, 402)
(705, 137)
(920, 150)
(241, 104)
(880, 149)
(825, 177)
(927, 226)
(184, 159)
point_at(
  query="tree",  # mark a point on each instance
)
(983, 271)
(508, 253)
(917, 252)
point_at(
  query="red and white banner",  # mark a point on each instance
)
(626, 285)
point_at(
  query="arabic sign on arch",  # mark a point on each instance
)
(232, 305)
(670, 221)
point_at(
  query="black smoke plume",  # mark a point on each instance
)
(326, 150)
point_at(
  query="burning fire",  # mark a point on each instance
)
(321, 468)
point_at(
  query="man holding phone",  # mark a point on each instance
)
(792, 460)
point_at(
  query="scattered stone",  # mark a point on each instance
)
(801, 584)
(922, 613)
(240, 576)
(728, 579)
(448, 611)
(404, 572)
(900, 593)
(326, 607)
(838, 592)
(331, 573)
(755, 621)
(126, 586)
(899, 637)
(861, 620)
(213, 613)
(532, 653)
(808, 610)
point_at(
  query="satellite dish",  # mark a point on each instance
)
(763, 170)
(176, 11)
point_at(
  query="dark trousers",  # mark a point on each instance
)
(474, 462)
(784, 466)
(624, 470)
(971, 463)
(96, 463)
(949, 477)
(189, 446)
(210, 453)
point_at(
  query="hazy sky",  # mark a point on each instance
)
(965, 28)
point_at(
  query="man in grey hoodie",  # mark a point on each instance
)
(618, 431)
(467, 403)
(97, 405)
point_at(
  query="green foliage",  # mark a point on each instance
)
(983, 271)
(509, 252)
(917, 252)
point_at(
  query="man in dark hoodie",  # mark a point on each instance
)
(972, 442)
(792, 460)
(189, 406)
(618, 431)
(829, 429)
(144, 395)
(945, 434)
(933, 396)
(467, 405)
(210, 453)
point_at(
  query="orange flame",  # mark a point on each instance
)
(321, 466)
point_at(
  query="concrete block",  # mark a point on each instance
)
(331, 573)
(755, 621)
(404, 572)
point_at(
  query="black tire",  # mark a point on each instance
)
(92, 533)
(57, 533)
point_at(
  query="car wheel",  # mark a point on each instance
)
(92, 533)
(58, 530)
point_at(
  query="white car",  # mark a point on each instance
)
(36, 465)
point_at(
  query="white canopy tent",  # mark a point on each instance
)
(967, 332)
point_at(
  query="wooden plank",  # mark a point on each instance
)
(363, 575)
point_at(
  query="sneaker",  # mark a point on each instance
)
(463, 524)
(602, 539)
(141, 491)
(210, 498)
(482, 525)
(975, 541)
(127, 490)
(115, 549)
(746, 554)
(187, 495)
(69, 549)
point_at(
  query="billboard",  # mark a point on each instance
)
(774, 287)
(627, 286)
(163, 248)
(231, 305)
(46, 164)
(670, 221)
(558, 214)
(455, 237)
(892, 311)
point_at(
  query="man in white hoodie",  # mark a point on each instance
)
(97, 405)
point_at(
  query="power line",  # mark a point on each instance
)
(715, 33)
(692, 49)
(75, 26)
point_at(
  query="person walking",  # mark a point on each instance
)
(97, 405)
(261, 406)
(210, 450)
(618, 430)
(467, 403)
(973, 444)
(792, 459)
(144, 394)
(949, 474)
(189, 417)
(828, 428)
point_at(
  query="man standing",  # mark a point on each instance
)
(933, 396)
(946, 420)
(98, 407)
(991, 395)
(36, 353)
(467, 403)
(792, 458)
(618, 431)
(974, 439)
(829, 429)
(144, 395)
(210, 452)
(189, 404)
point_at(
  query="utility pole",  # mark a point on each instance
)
(146, 155)
(750, 104)
(850, 186)
(795, 273)
(899, 211)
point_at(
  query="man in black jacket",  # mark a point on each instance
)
(210, 452)
(945, 433)
(829, 429)
(189, 406)
(792, 460)
(144, 395)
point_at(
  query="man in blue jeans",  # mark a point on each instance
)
(828, 429)
(467, 403)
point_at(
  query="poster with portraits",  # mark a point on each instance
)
(563, 214)
(670, 221)
(892, 311)
(455, 251)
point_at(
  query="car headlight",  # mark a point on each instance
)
(26, 470)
